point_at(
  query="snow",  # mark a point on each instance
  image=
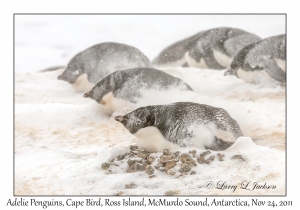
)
(61, 138)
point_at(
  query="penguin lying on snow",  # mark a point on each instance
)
(89, 66)
(181, 124)
(122, 87)
(213, 49)
(266, 56)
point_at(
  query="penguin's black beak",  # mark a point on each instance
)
(60, 77)
(227, 72)
(87, 95)
(119, 118)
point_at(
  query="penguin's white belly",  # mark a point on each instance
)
(222, 59)
(82, 84)
(193, 63)
(257, 77)
(247, 76)
(152, 140)
(111, 104)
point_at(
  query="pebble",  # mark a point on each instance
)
(171, 192)
(221, 156)
(167, 152)
(150, 159)
(205, 153)
(165, 158)
(130, 186)
(149, 170)
(120, 193)
(134, 160)
(193, 152)
(202, 160)
(211, 158)
(185, 167)
(170, 164)
(143, 154)
(186, 158)
(237, 157)
(171, 172)
(193, 172)
(133, 147)
(176, 153)
(105, 166)
(136, 167)
(122, 156)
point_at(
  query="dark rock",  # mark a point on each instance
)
(171, 172)
(143, 154)
(165, 158)
(171, 192)
(205, 153)
(105, 166)
(135, 167)
(149, 170)
(167, 152)
(220, 156)
(211, 158)
(133, 147)
(130, 186)
(185, 167)
(238, 157)
(122, 156)
(176, 153)
(193, 172)
(170, 164)
(202, 160)
(150, 159)
(135, 160)
(193, 152)
(186, 158)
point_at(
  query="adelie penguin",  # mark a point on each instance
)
(265, 57)
(212, 49)
(89, 66)
(122, 88)
(181, 124)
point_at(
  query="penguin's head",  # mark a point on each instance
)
(136, 120)
(230, 72)
(95, 93)
(72, 72)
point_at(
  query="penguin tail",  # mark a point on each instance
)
(54, 68)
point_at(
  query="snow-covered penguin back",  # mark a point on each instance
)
(266, 57)
(127, 85)
(213, 49)
(184, 124)
(103, 59)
